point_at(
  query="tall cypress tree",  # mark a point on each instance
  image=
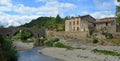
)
(58, 19)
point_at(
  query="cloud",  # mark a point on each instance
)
(45, 0)
(24, 14)
(6, 2)
(117, 3)
(103, 14)
(100, 14)
(104, 5)
(50, 8)
(14, 20)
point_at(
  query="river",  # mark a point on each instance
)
(33, 55)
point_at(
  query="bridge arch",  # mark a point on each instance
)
(37, 33)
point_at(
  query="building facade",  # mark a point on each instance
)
(82, 23)
(79, 23)
(108, 24)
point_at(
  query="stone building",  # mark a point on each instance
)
(82, 23)
(79, 23)
(108, 24)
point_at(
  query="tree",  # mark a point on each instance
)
(58, 19)
(1, 26)
(118, 0)
(118, 13)
(25, 34)
(9, 52)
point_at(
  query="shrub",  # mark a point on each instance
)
(56, 39)
(95, 40)
(91, 31)
(42, 41)
(48, 43)
(9, 51)
(61, 45)
(106, 52)
(108, 35)
(58, 44)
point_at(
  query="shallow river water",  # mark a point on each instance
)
(33, 55)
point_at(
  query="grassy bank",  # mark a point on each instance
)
(106, 52)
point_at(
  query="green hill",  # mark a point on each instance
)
(49, 23)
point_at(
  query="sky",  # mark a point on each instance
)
(18, 12)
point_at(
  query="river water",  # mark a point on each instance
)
(33, 55)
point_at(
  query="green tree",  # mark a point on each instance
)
(25, 34)
(50, 23)
(9, 52)
(58, 19)
(1, 26)
(118, 0)
(118, 13)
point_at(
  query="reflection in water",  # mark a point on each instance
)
(33, 55)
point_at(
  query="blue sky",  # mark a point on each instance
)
(17, 12)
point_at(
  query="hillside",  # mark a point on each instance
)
(49, 23)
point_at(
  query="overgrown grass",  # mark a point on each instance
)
(54, 43)
(115, 41)
(95, 40)
(61, 45)
(106, 52)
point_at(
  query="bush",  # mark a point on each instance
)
(95, 40)
(56, 39)
(61, 45)
(91, 31)
(58, 44)
(9, 51)
(42, 41)
(48, 43)
(109, 35)
(106, 52)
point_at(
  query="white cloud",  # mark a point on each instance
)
(20, 8)
(100, 14)
(50, 8)
(103, 14)
(45, 0)
(6, 2)
(104, 5)
(14, 20)
(117, 3)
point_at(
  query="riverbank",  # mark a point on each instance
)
(82, 54)
(20, 46)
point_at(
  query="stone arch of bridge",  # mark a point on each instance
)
(34, 33)
(37, 33)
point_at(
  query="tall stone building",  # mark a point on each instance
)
(79, 23)
(84, 23)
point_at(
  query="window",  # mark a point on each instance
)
(7, 34)
(77, 28)
(77, 22)
(106, 24)
(70, 23)
(73, 28)
(74, 23)
(94, 25)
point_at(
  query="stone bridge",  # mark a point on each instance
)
(9, 32)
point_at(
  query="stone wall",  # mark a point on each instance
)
(69, 38)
